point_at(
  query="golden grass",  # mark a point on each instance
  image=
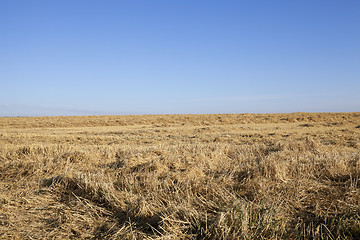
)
(237, 176)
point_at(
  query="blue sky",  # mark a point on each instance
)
(164, 57)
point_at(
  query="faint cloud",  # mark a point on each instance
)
(13, 110)
(247, 98)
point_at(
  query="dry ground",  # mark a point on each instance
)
(238, 176)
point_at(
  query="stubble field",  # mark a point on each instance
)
(236, 176)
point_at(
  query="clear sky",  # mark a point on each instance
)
(66, 57)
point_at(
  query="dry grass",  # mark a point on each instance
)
(249, 176)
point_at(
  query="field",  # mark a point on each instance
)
(236, 176)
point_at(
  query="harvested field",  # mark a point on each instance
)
(236, 176)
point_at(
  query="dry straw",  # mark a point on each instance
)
(239, 176)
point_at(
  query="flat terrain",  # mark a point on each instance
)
(237, 176)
